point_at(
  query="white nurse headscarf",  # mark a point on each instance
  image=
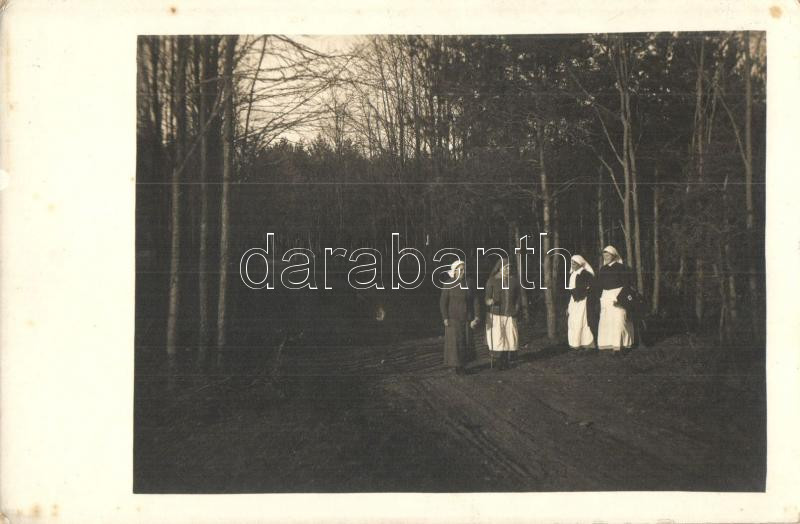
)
(583, 265)
(613, 251)
(455, 265)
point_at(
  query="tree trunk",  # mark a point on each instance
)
(637, 235)
(227, 172)
(724, 325)
(656, 255)
(748, 173)
(699, 166)
(170, 120)
(634, 175)
(699, 291)
(746, 151)
(415, 110)
(600, 230)
(518, 244)
(155, 104)
(681, 280)
(626, 141)
(202, 269)
(175, 210)
(726, 265)
(252, 93)
(549, 301)
(554, 225)
(626, 206)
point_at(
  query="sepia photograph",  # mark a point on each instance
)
(450, 263)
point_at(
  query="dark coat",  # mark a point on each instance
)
(617, 275)
(583, 284)
(586, 288)
(613, 276)
(459, 307)
(456, 303)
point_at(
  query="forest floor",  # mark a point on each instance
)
(676, 416)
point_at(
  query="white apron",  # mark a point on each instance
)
(578, 333)
(615, 330)
(501, 333)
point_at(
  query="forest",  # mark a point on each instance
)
(652, 142)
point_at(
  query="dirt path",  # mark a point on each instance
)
(393, 418)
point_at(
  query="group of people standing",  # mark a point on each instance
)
(595, 317)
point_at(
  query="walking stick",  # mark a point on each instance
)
(491, 339)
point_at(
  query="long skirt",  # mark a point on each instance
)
(458, 344)
(578, 333)
(616, 329)
(501, 333)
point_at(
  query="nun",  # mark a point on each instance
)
(580, 334)
(459, 306)
(615, 330)
(504, 303)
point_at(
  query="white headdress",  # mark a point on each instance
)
(613, 251)
(582, 265)
(455, 265)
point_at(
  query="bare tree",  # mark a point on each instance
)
(227, 174)
(546, 199)
(206, 98)
(179, 104)
(656, 296)
(745, 147)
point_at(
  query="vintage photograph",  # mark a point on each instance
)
(450, 263)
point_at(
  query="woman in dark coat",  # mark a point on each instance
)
(459, 307)
(580, 312)
(503, 308)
